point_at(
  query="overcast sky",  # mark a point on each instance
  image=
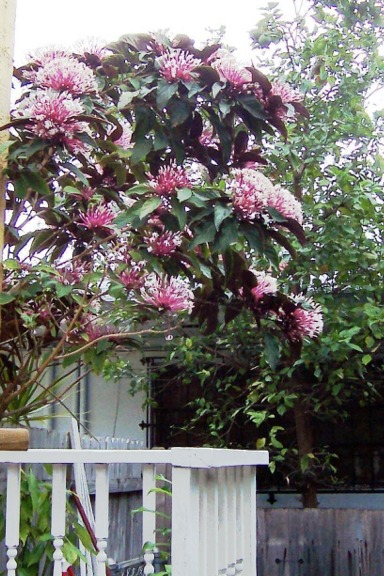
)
(46, 22)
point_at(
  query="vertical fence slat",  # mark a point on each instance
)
(239, 520)
(58, 515)
(185, 521)
(223, 522)
(12, 531)
(203, 522)
(213, 523)
(102, 516)
(249, 522)
(149, 516)
(231, 519)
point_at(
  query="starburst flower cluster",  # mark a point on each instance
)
(97, 217)
(71, 273)
(54, 102)
(53, 116)
(285, 202)
(177, 64)
(231, 71)
(93, 329)
(266, 284)
(169, 179)
(170, 294)
(252, 193)
(125, 140)
(93, 46)
(163, 244)
(67, 74)
(286, 94)
(42, 56)
(305, 320)
(133, 277)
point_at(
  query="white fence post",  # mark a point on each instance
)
(12, 529)
(185, 521)
(149, 516)
(213, 522)
(59, 493)
(102, 516)
(249, 520)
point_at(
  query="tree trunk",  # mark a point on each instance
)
(7, 40)
(305, 441)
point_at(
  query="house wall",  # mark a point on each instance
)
(103, 408)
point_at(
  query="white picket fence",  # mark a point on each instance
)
(213, 505)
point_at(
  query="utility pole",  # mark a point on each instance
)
(7, 42)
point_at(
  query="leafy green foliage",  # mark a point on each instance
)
(335, 167)
(36, 555)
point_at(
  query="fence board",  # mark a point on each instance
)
(320, 542)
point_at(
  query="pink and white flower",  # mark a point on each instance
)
(177, 65)
(169, 179)
(94, 329)
(53, 115)
(266, 284)
(67, 74)
(125, 140)
(163, 244)
(250, 191)
(285, 202)
(171, 294)
(42, 56)
(231, 71)
(71, 273)
(305, 320)
(288, 95)
(97, 217)
(133, 277)
(93, 46)
(286, 92)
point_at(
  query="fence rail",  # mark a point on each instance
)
(213, 505)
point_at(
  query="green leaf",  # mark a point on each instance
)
(272, 349)
(11, 264)
(227, 235)
(253, 236)
(184, 194)
(221, 212)
(252, 105)
(6, 297)
(164, 93)
(179, 211)
(140, 150)
(178, 111)
(149, 206)
(36, 182)
(203, 234)
(62, 290)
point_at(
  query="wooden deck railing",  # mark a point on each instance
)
(213, 505)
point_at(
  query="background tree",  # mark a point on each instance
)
(334, 166)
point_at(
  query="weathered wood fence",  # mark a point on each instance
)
(316, 542)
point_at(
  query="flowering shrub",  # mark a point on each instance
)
(136, 191)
